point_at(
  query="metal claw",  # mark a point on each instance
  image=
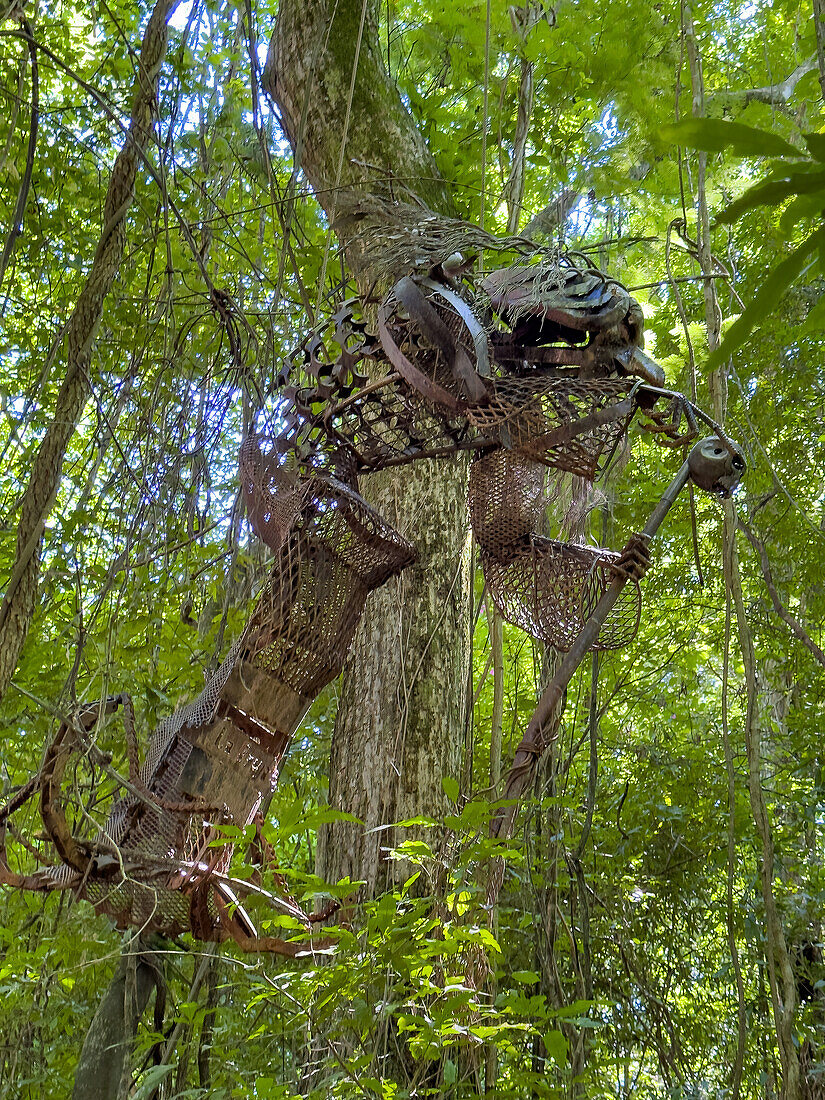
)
(635, 558)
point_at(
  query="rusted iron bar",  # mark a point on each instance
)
(714, 466)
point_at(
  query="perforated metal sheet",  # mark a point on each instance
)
(526, 372)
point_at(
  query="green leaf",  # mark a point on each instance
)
(815, 321)
(411, 849)
(767, 298)
(409, 823)
(772, 192)
(556, 1046)
(150, 1081)
(450, 787)
(526, 977)
(405, 889)
(325, 815)
(715, 136)
(800, 209)
(816, 145)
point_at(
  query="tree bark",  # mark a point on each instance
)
(353, 135)
(402, 708)
(107, 1047)
(401, 711)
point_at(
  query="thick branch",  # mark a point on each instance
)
(107, 1048)
(775, 95)
(553, 215)
(514, 189)
(19, 600)
(309, 74)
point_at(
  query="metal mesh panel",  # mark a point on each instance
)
(304, 623)
(549, 588)
(215, 757)
(566, 423)
(506, 499)
(138, 903)
(391, 424)
(452, 383)
(338, 551)
(274, 495)
(562, 422)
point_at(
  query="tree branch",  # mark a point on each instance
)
(819, 27)
(775, 95)
(23, 195)
(556, 213)
(20, 596)
(796, 627)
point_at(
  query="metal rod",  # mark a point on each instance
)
(535, 740)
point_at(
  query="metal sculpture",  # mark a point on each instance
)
(539, 365)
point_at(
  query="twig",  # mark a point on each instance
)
(733, 947)
(796, 627)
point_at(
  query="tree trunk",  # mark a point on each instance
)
(20, 597)
(402, 707)
(107, 1047)
(356, 136)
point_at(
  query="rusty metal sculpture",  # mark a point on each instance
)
(537, 366)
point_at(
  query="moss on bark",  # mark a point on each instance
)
(402, 709)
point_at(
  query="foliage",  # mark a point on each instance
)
(609, 967)
(798, 187)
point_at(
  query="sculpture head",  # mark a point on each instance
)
(716, 465)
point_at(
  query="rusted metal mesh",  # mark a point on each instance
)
(274, 495)
(216, 758)
(392, 425)
(223, 751)
(566, 423)
(458, 379)
(548, 588)
(532, 370)
(338, 550)
(506, 500)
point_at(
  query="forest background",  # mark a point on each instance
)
(659, 932)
